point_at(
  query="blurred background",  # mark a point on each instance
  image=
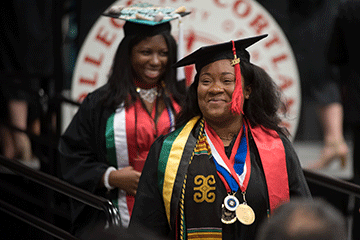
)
(40, 45)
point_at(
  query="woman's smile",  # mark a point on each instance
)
(152, 73)
(216, 100)
(216, 85)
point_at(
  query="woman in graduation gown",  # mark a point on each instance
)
(229, 163)
(105, 146)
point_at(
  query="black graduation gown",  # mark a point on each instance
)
(149, 208)
(83, 162)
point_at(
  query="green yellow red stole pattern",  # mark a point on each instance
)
(179, 148)
(170, 156)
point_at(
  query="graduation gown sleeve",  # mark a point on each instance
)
(82, 158)
(298, 186)
(82, 161)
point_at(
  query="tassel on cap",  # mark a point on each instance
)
(237, 101)
(208, 54)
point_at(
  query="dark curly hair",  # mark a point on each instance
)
(262, 107)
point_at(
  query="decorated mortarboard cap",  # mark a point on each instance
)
(145, 18)
(235, 50)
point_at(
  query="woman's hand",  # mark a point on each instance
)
(126, 179)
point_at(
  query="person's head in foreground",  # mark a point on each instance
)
(304, 220)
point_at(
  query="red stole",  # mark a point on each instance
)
(273, 159)
(141, 133)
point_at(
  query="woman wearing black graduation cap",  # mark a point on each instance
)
(228, 164)
(105, 146)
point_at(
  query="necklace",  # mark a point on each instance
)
(148, 95)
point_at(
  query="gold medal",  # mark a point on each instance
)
(245, 214)
(227, 217)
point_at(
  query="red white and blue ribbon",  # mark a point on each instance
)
(234, 172)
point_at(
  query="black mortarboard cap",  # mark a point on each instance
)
(235, 50)
(146, 19)
(208, 54)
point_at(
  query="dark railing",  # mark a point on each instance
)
(100, 203)
(35, 221)
(332, 183)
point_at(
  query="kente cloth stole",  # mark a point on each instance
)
(270, 148)
(204, 192)
(171, 154)
(203, 196)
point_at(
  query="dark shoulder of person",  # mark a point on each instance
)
(95, 98)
